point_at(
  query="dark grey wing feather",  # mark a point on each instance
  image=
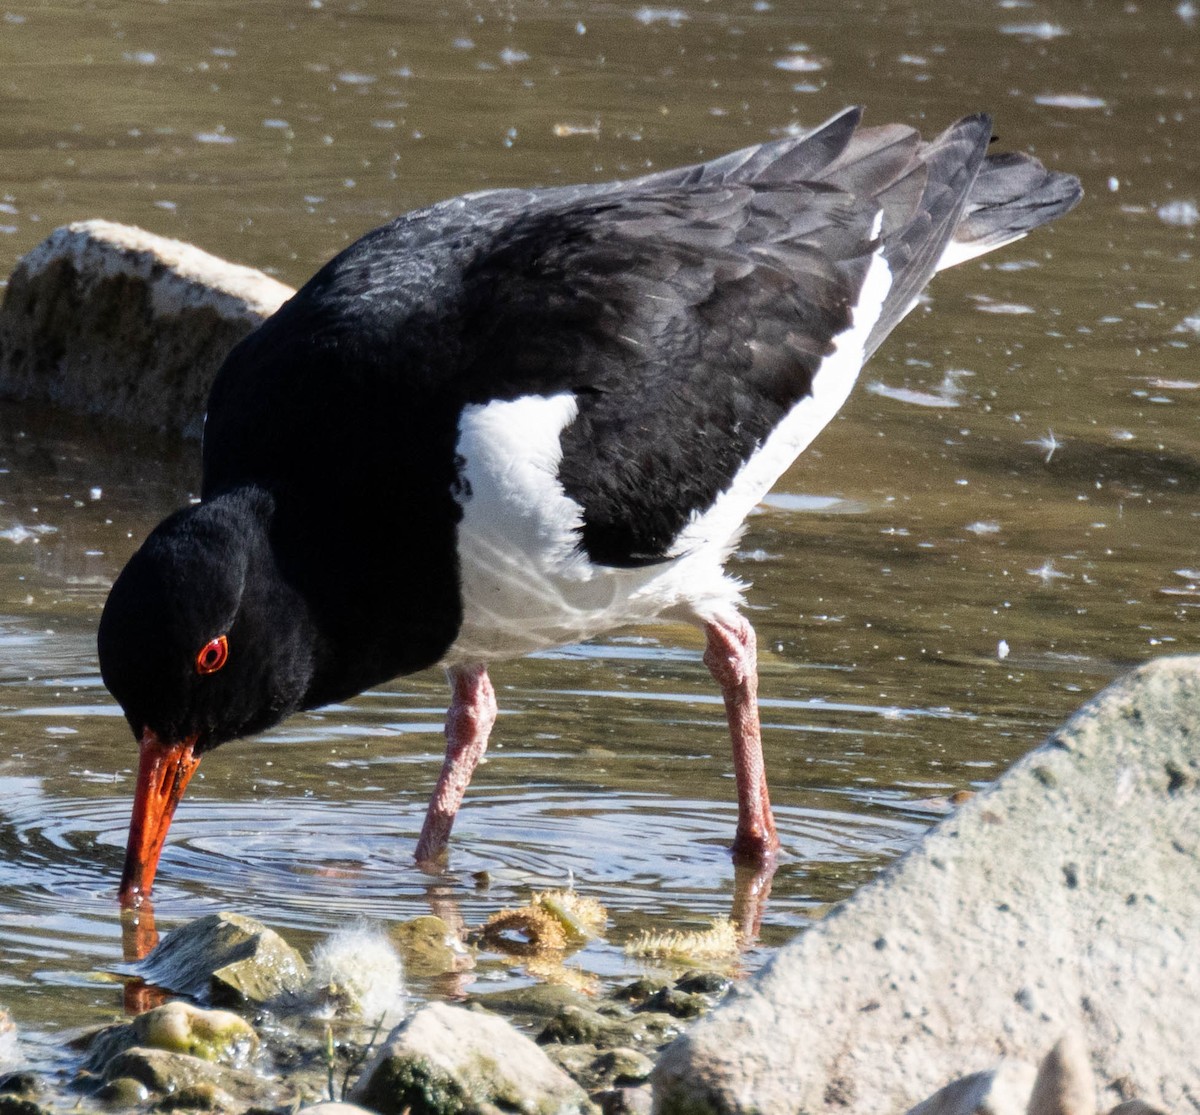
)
(686, 322)
(1012, 194)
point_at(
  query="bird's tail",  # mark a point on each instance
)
(1012, 194)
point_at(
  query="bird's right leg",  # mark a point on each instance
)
(732, 659)
(468, 724)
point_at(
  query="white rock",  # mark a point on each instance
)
(108, 320)
(1064, 899)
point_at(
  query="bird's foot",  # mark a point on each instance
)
(756, 847)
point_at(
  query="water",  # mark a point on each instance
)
(1000, 521)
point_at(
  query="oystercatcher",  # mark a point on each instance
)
(520, 418)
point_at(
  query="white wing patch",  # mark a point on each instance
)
(721, 523)
(525, 582)
(959, 251)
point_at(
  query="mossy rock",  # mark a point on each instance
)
(178, 1027)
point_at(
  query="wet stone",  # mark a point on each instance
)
(429, 946)
(211, 1035)
(703, 983)
(678, 1004)
(626, 1101)
(198, 1097)
(17, 1105)
(640, 990)
(449, 1061)
(625, 1066)
(224, 959)
(597, 1069)
(539, 1001)
(26, 1084)
(123, 1091)
(165, 1073)
(576, 1025)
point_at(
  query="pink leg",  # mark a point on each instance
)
(468, 722)
(732, 658)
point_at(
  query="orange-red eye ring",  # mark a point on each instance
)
(213, 655)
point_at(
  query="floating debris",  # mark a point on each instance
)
(356, 972)
(582, 918)
(526, 931)
(552, 922)
(719, 942)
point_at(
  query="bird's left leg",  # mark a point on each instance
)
(468, 724)
(732, 658)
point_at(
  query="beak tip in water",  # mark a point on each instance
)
(164, 770)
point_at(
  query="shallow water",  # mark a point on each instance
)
(1000, 521)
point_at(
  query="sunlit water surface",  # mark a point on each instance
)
(1001, 520)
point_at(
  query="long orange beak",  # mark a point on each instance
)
(164, 770)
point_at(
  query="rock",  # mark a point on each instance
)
(640, 990)
(678, 1004)
(123, 1091)
(18, 1105)
(579, 1025)
(198, 1097)
(538, 1001)
(594, 1069)
(429, 946)
(1000, 1091)
(1065, 898)
(703, 983)
(24, 1084)
(211, 1035)
(1064, 1084)
(225, 959)
(164, 1073)
(625, 1066)
(105, 319)
(626, 1101)
(446, 1060)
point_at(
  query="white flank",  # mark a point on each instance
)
(525, 583)
(720, 525)
(959, 251)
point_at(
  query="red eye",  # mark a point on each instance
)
(213, 655)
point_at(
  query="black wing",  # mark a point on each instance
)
(687, 311)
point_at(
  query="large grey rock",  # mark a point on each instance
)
(105, 319)
(446, 1060)
(1065, 899)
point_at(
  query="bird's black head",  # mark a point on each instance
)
(201, 638)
